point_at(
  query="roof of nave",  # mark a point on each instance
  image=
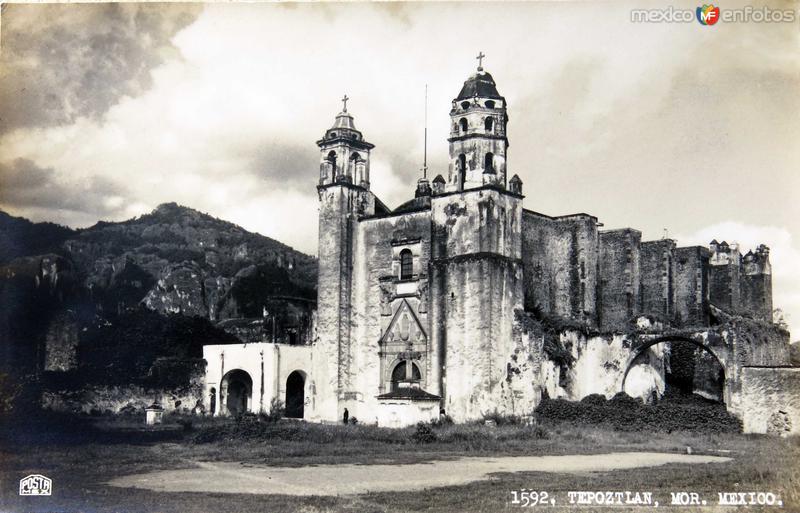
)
(412, 205)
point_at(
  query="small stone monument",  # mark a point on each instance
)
(154, 414)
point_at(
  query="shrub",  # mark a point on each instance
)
(503, 420)
(624, 413)
(424, 434)
(276, 411)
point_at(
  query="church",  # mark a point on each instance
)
(463, 302)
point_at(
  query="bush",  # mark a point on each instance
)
(624, 413)
(424, 434)
(503, 420)
(276, 411)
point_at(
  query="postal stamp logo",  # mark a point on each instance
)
(35, 484)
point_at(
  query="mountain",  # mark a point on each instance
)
(20, 237)
(178, 260)
(59, 286)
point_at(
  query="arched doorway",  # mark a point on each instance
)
(236, 392)
(295, 395)
(689, 368)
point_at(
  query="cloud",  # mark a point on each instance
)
(39, 191)
(784, 256)
(61, 61)
(643, 125)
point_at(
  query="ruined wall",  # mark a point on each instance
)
(124, 399)
(619, 277)
(560, 259)
(572, 364)
(724, 278)
(770, 400)
(657, 270)
(691, 286)
(107, 399)
(756, 293)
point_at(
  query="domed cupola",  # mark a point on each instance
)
(480, 84)
(478, 142)
(344, 152)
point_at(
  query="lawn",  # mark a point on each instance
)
(80, 455)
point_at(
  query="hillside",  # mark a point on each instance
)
(58, 284)
(179, 260)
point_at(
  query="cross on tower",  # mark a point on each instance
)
(344, 102)
(480, 60)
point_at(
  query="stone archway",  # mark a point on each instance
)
(713, 369)
(295, 394)
(236, 392)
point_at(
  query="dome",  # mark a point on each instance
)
(344, 120)
(480, 84)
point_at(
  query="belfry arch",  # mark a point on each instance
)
(716, 356)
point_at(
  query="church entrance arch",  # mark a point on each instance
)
(236, 392)
(405, 373)
(295, 394)
(692, 367)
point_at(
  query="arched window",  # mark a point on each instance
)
(400, 374)
(331, 157)
(489, 124)
(489, 104)
(462, 169)
(488, 163)
(406, 265)
(463, 124)
(415, 374)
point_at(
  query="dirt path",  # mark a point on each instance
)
(356, 479)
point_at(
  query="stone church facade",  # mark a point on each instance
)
(448, 302)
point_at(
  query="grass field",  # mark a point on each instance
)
(82, 455)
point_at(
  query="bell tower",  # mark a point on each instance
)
(344, 154)
(478, 142)
(344, 197)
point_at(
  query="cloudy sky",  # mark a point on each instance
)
(108, 110)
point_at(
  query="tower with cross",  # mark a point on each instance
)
(478, 141)
(344, 197)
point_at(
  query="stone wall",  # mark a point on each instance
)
(658, 274)
(390, 323)
(619, 277)
(770, 400)
(560, 257)
(756, 294)
(124, 399)
(724, 279)
(476, 285)
(691, 286)
(340, 207)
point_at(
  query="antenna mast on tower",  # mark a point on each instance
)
(425, 150)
